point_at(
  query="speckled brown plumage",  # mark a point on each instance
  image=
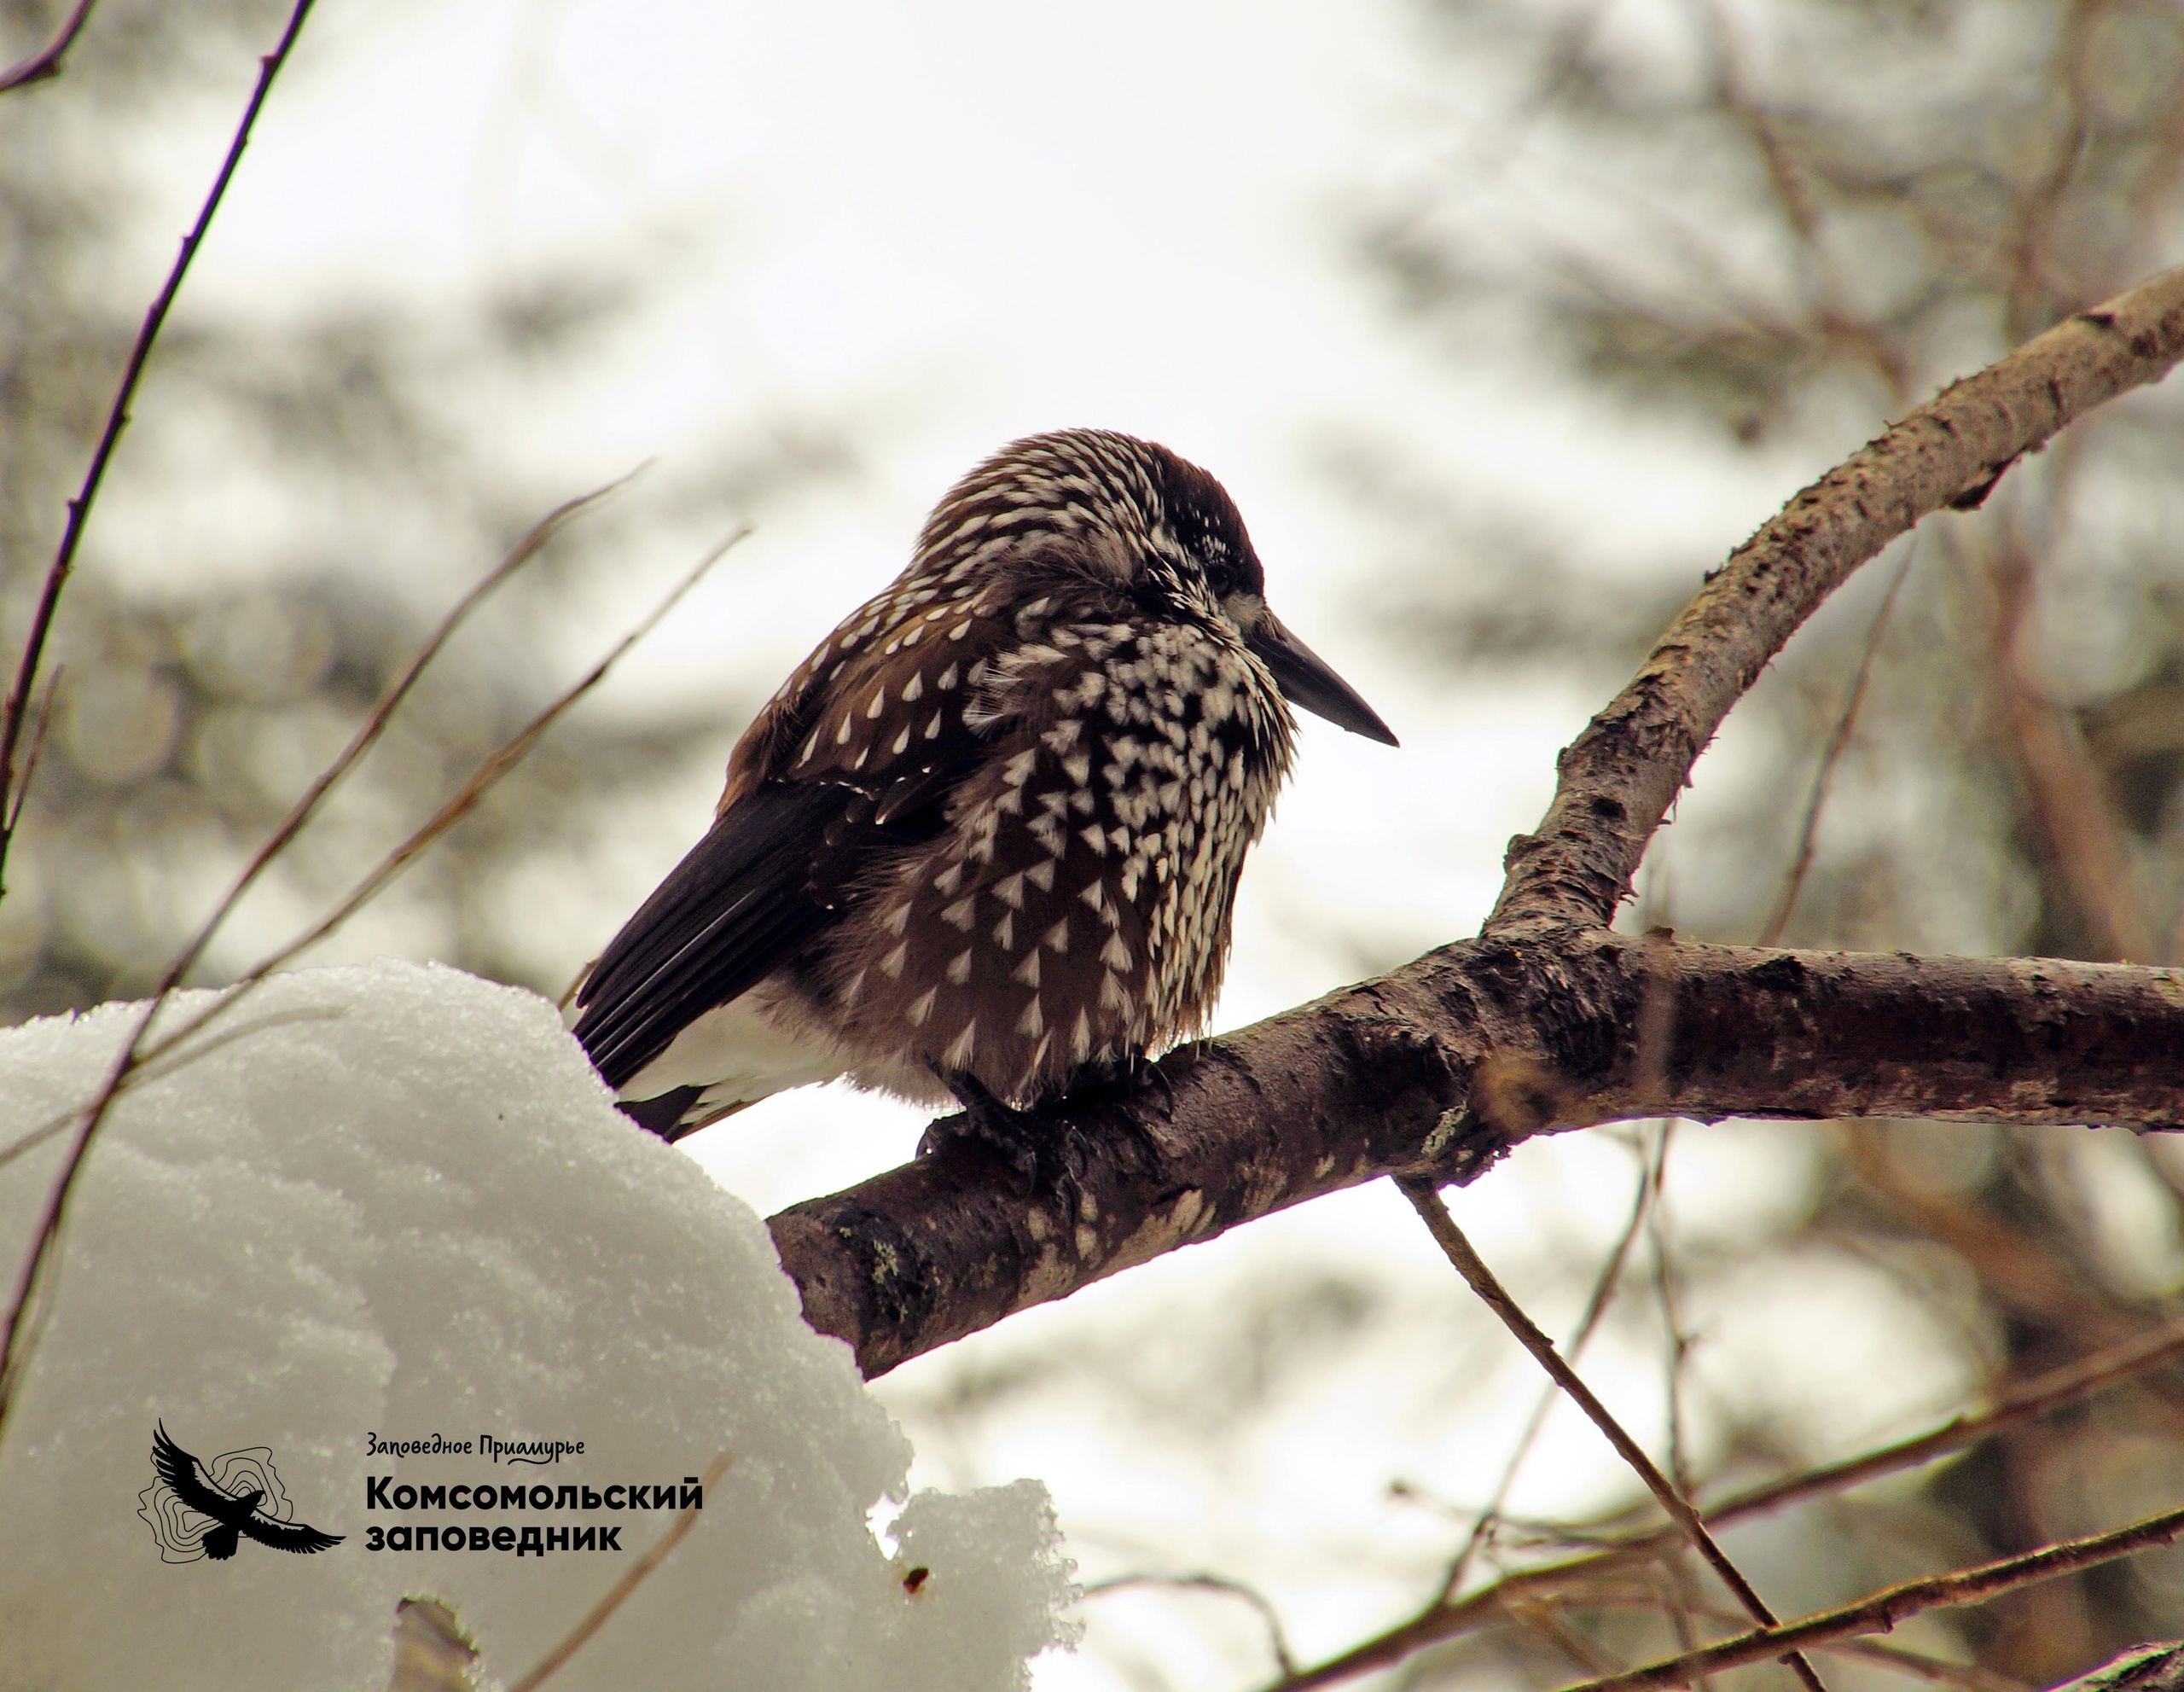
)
(986, 838)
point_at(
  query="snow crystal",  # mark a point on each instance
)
(394, 1201)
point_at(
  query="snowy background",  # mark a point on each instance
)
(812, 262)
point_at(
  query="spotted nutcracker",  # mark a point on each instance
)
(985, 841)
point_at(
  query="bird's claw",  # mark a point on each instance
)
(1036, 1149)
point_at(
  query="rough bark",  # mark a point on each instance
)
(1548, 1021)
(1443, 1065)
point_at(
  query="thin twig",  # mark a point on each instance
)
(367, 735)
(150, 1068)
(30, 753)
(1440, 1619)
(632, 1577)
(13, 1348)
(161, 1057)
(514, 753)
(1883, 1610)
(1679, 1343)
(375, 724)
(79, 509)
(1838, 742)
(46, 62)
(1426, 1198)
(2087, 858)
(34, 1289)
(1911, 1662)
(1604, 1285)
(1277, 1641)
(18, 1338)
(1682, 1598)
(511, 752)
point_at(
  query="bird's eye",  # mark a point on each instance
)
(1217, 563)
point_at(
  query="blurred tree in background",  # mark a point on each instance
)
(1786, 223)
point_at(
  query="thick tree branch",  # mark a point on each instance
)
(1439, 1067)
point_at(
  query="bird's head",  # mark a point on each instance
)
(1138, 520)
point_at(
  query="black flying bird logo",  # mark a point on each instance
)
(236, 1515)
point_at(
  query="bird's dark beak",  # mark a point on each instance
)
(1307, 681)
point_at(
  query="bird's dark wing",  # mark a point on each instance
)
(179, 1470)
(729, 916)
(299, 1536)
(855, 759)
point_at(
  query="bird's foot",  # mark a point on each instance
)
(1036, 1148)
(1123, 1079)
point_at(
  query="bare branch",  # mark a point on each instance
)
(12, 713)
(1604, 1287)
(2143, 1668)
(13, 815)
(1838, 743)
(1445, 1618)
(46, 62)
(374, 726)
(34, 1289)
(1426, 1199)
(1277, 1641)
(482, 780)
(632, 1577)
(1618, 778)
(1880, 1613)
(1392, 1076)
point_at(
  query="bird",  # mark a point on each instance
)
(985, 841)
(235, 1516)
